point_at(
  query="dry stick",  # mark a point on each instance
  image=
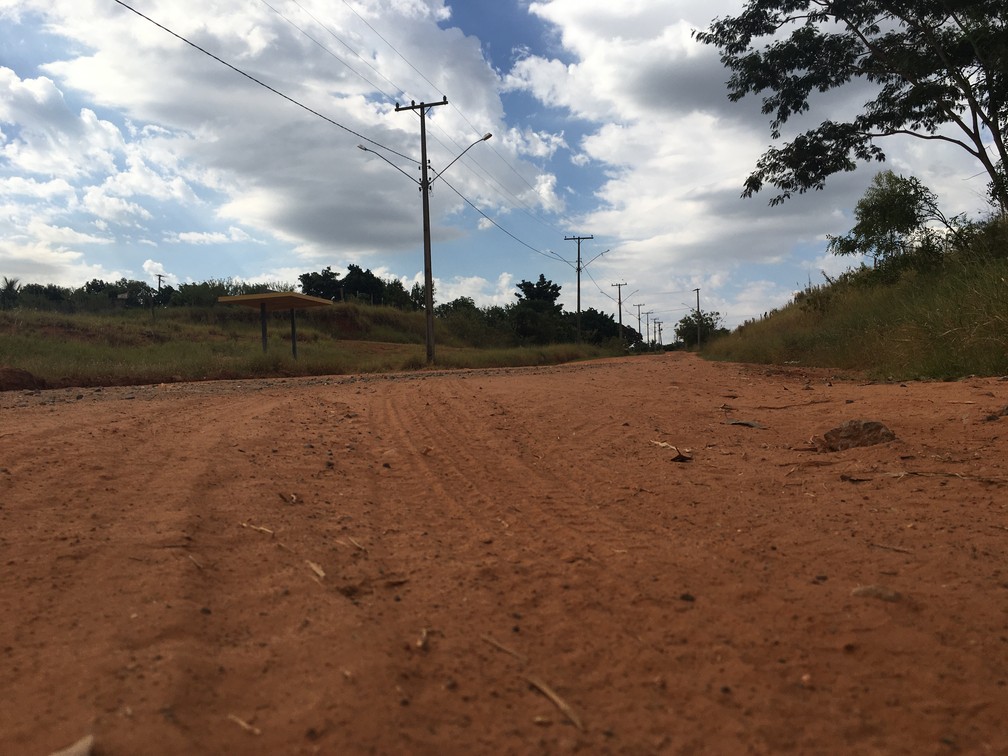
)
(890, 548)
(552, 695)
(194, 561)
(244, 725)
(356, 544)
(505, 649)
(256, 527)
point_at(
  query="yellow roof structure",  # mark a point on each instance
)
(273, 301)
(276, 300)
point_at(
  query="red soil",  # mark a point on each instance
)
(505, 562)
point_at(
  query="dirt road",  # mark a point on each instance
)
(505, 562)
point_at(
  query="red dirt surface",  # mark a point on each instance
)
(505, 562)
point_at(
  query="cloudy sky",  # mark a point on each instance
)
(125, 152)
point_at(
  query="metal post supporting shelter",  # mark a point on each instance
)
(274, 301)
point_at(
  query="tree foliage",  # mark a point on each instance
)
(359, 284)
(711, 325)
(537, 317)
(892, 223)
(938, 70)
(9, 291)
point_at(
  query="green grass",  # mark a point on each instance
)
(176, 344)
(942, 324)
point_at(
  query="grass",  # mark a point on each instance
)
(942, 324)
(183, 344)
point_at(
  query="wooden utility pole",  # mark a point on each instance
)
(425, 191)
(638, 306)
(697, 290)
(619, 304)
(578, 239)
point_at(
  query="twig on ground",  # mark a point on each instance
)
(890, 548)
(257, 527)
(553, 696)
(244, 725)
(193, 559)
(315, 568)
(355, 543)
(505, 649)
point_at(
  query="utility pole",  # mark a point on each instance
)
(658, 325)
(697, 290)
(578, 239)
(648, 315)
(425, 191)
(619, 303)
(638, 306)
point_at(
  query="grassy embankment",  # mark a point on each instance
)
(940, 324)
(201, 343)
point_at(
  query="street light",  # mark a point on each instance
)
(425, 185)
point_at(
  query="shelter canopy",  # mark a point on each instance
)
(274, 301)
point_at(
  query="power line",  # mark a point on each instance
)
(330, 52)
(549, 254)
(517, 200)
(261, 83)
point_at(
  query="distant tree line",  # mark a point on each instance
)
(535, 317)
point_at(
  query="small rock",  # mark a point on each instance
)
(853, 433)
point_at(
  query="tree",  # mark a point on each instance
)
(363, 284)
(596, 326)
(542, 290)
(324, 284)
(9, 292)
(416, 296)
(937, 69)
(710, 326)
(892, 223)
(396, 294)
(536, 315)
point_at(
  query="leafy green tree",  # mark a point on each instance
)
(324, 284)
(936, 69)
(463, 306)
(203, 294)
(536, 315)
(396, 295)
(363, 284)
(596, 327)
(711, 325)
(892, 223)
(9, 292)
(416, 296)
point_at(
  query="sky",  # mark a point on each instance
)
(126, 152)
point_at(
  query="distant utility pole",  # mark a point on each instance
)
(619, 303)
(658, 325)
(638, 306)
(697, 290)
(648, 315)
(578, 239)
(425, 183)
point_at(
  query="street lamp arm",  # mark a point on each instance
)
(594, 258)
(481, 139)
(373, 152)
